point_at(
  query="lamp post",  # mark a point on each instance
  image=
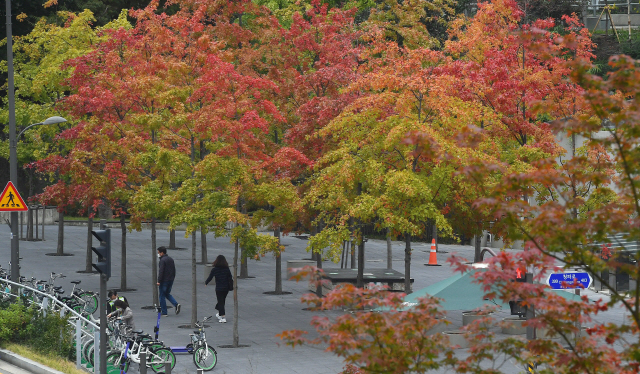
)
(13, 140)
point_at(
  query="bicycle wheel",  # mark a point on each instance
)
(159, 357)
(77, 308)
(205, 359)
(88, 347)
(91, 301)
(114, 359)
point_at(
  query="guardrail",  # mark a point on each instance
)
(86, 331)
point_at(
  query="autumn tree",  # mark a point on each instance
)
(586, 203)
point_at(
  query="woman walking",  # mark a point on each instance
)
(224, 284)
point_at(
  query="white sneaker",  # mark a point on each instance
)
(218, 316)
(222, 320)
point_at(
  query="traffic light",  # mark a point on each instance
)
(518, 308)
(521, 274)
(103, 251)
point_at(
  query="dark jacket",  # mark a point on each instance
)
(167, 272)
(223, 276)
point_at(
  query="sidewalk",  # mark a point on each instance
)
(261, 316)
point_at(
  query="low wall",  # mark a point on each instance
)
(619, 21)
(50, 216)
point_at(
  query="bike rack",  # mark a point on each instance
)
(77, 323)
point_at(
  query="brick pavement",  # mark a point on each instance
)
(261, 316)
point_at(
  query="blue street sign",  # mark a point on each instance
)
(556, 280)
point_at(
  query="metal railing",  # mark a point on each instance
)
(85, 330)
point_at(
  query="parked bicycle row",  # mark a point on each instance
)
(125, 344)
(79, 300)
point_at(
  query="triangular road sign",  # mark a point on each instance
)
(11, 201)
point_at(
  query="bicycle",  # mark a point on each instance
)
(132, 350)
(205, 356)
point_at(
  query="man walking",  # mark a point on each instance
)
(166, 275)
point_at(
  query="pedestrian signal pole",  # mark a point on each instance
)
(531, 311)
(103, 266)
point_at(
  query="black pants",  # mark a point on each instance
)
(221, 296)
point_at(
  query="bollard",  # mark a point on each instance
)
(78, 343)
(167, 368)
(96, 349)
(143, 362)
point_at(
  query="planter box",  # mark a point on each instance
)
(513, 326)
(469, 317)
(438, 328)
(456, 338)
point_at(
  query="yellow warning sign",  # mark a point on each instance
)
(11, 201)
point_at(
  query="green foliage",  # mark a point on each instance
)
(50, 334)
(631, 46)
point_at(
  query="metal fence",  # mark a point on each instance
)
(86, 332)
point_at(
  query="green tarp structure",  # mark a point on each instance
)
(460, 292)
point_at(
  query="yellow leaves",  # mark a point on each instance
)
(21, 17)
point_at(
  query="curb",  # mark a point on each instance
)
(25, 363)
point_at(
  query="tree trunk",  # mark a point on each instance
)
(123, 257)
(44, 212)
(606, 17)
(236, 336)
(407, 263)
(87, 267)
(172, 239)
(60, 250)
(389, 251)
(203, 244)
(478, 249)
(154, 263)
(244, 266)
(30, 225)
(276, 233)
(319, 266)
(360, 277)
(194, 284)
(36, 226)
(353, 255)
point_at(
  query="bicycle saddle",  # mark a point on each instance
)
(58, 291)
(137, 331)
(41, 281)
(196, 332)
(76, 282)
(57, 287)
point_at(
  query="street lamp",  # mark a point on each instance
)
(13, 140)
(13, 161)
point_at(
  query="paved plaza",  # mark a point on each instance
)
(261, 316)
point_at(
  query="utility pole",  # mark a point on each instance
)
(13, 155)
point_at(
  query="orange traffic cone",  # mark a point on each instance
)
(433, 258)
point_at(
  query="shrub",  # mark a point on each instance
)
(48, 334)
